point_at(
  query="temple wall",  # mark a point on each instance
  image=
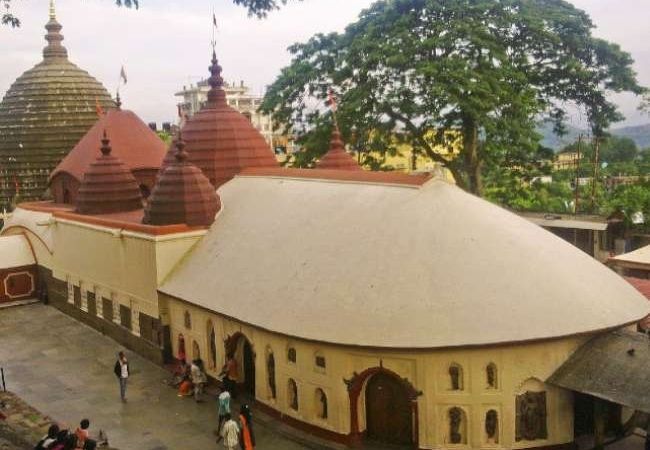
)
(519, 368)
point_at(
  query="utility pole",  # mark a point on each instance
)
(595, 176)
(577, 182)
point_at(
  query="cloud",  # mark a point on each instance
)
(166, 44)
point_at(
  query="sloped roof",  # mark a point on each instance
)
(132, 141)
(613, 367)
(15, 252)
(394, 266)
(638, 257)
(336, 157)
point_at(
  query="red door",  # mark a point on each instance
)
(388, 411)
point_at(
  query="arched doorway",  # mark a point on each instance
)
(381, 386)
(212, 346)
(388, 411)
(241, 348)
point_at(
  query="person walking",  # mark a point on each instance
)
(230, 373)
(246, 435)
(224, 410)
(198, 379)
(122, 373)
(230, 434)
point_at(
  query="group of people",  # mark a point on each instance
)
(58, 438)
(191, 380)
(232, 433)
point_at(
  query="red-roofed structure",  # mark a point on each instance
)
(641, 285)
(108, 186)
(220, 140)
(336, 157)
(182, 195)
(133, 142)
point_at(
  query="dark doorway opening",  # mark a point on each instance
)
(389, 414)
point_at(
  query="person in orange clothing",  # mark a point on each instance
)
(246, 435)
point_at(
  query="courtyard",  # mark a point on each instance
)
(65, 369)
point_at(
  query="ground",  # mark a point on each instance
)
(65, 369)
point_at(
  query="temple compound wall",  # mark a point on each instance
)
(485, 397)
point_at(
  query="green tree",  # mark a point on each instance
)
(630, 200)
(259, 8)
(617, 149)
(487, 69)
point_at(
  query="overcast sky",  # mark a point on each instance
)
(166, 43)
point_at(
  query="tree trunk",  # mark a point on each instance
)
(471, 156)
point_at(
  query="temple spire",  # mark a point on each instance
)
(216, 94)
(54, 48)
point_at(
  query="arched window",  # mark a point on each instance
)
(455, 377)
(491, 376)
(321, 404)
(181, 348)
(196, 350)
(530, 422)
(270, 372)
(212, 345)
(492, 427)
(292, 394)
(187, 319)
(457, 426)
(291, 355)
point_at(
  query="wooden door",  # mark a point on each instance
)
(388, 411)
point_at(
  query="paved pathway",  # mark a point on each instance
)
(65, 369)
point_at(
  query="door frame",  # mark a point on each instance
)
(356, 385)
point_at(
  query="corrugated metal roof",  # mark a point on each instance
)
(613, 367)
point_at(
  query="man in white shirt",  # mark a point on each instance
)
(121, 371)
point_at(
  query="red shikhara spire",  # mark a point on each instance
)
(336, 157)
(219, 139)
(108, 185)
(182, 194)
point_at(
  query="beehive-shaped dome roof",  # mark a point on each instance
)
(220, 140)
(336, 157)
(132, 140)
(108, 185)
(182, 194)
(44, 114)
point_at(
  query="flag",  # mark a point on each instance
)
(331, 100)
(98, 108)
(123, 75)
(214, 20)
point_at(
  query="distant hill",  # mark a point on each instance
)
(639, 134)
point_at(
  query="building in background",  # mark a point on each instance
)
(195, 96)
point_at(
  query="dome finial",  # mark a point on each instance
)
(216, 95)
(106, 147)
(54, 48)
(118, 100)
(181, 154)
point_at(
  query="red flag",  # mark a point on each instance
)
(331, 99)
(98, 108)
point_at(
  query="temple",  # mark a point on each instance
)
(360, 306)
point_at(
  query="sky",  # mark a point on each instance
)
(166, 43)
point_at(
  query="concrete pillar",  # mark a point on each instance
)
(116, 309)
(135, 318)
(99, 303)
(84, 297)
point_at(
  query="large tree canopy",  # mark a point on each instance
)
(259, 8)
(426, 71)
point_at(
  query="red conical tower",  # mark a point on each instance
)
(336, 157)
(108, 186)
(182, 194)
(220, 140)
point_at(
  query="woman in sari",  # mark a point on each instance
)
(246, 435)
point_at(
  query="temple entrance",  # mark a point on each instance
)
(388, 411)
(241, 348)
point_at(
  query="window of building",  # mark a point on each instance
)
(531, 416)
(455, 377)
(491, 376)
(457, 426)
(321, 404)
(212, 346)
(292, 394)
(187, 320)
(77, 296)
(107, 309)
(92, 303)
(492, 427)
(125, 316)
(291, 355)
(320, 361)
(270, 372)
